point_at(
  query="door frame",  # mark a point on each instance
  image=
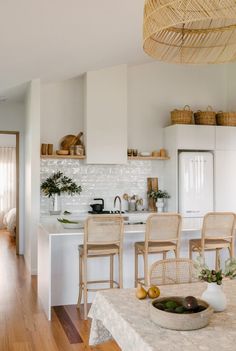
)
(17, 134)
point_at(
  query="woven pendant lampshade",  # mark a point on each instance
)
(190, 31)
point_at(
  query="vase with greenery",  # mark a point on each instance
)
(58, 184)
(214, 294)
(160, 196)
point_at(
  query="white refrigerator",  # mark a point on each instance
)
(196, 186)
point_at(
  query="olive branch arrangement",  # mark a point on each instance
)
(213, 276)
(159, 194)
(58, 183)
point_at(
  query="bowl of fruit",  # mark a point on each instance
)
(180, 313)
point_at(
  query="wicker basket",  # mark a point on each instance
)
(182, 116)
(226, 118)
(207, 117)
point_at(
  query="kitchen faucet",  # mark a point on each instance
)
(118, 198)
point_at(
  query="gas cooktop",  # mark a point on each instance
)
(106, 212)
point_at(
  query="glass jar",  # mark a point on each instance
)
(72, 150)
(79, 150)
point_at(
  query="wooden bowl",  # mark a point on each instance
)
(62, 152)
(177, 321)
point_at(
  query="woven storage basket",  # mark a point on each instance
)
(207, 117)
(182, 116)
(226, 119)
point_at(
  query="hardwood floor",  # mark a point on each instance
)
(23, 324)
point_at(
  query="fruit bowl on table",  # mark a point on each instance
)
(174, 312)
(70, 223)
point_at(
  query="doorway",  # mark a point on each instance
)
(9, 183)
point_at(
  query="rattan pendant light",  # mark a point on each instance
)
(190, 31)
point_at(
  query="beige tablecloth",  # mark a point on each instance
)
(118, 314)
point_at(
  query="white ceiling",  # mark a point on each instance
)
(59, 39)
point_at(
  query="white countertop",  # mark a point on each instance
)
(55, 228)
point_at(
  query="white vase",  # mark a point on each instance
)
(55, 204)
(160, 205)
(215, 296)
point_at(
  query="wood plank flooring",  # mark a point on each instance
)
(23, 324)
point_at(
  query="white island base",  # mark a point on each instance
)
(58, 261)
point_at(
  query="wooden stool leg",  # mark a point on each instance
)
(80, 281)
(190, 251)
(120, 269)
(231, 250)
(111, 270)
(135, 267)
(217, 263)
(85, 289)
(146, 268)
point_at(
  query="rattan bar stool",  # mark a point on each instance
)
(217, 233)
(162, 235)
(172, 271)
(103, 237)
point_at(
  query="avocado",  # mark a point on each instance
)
(190, 303)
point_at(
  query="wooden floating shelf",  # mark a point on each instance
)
(147, 158)
(133, 158)
(76, 157)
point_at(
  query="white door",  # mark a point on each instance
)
(195, 183)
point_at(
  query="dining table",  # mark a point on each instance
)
(117, 314)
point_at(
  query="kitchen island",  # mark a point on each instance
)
(58, 262)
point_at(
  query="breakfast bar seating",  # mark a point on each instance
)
(217, 234)
(103, 237)
(162, 234)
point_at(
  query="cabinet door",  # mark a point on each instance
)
(225, 184)
(106, 116)
(225, 138)
(195, 137)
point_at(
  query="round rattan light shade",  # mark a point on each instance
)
(190, 31)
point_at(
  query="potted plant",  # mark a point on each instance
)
(214, 294)
(57, 184)
(160, 196)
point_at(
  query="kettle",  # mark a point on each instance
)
(98, 207)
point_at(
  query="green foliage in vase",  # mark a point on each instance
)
(160, 194)
(58, 183)
(212, 276)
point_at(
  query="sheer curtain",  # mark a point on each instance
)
(7, 178)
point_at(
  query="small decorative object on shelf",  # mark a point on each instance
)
(54, 186)
(160, 197)
(214, 294)
(44, 149)
(50, 149)
(135, 203)
(135, 152)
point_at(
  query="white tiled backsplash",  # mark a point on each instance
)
(104, 181)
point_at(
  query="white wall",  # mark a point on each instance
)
(7, 140)
(231, 87)
(61, 110)
(12, 118)
(32, 174)
(155, 89)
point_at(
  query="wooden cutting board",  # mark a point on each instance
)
(69, 140)
(152, 184)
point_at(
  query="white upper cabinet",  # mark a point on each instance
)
(191, 137)
(225, 138)
(106, 115)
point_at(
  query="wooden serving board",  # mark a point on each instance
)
(152, 184)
